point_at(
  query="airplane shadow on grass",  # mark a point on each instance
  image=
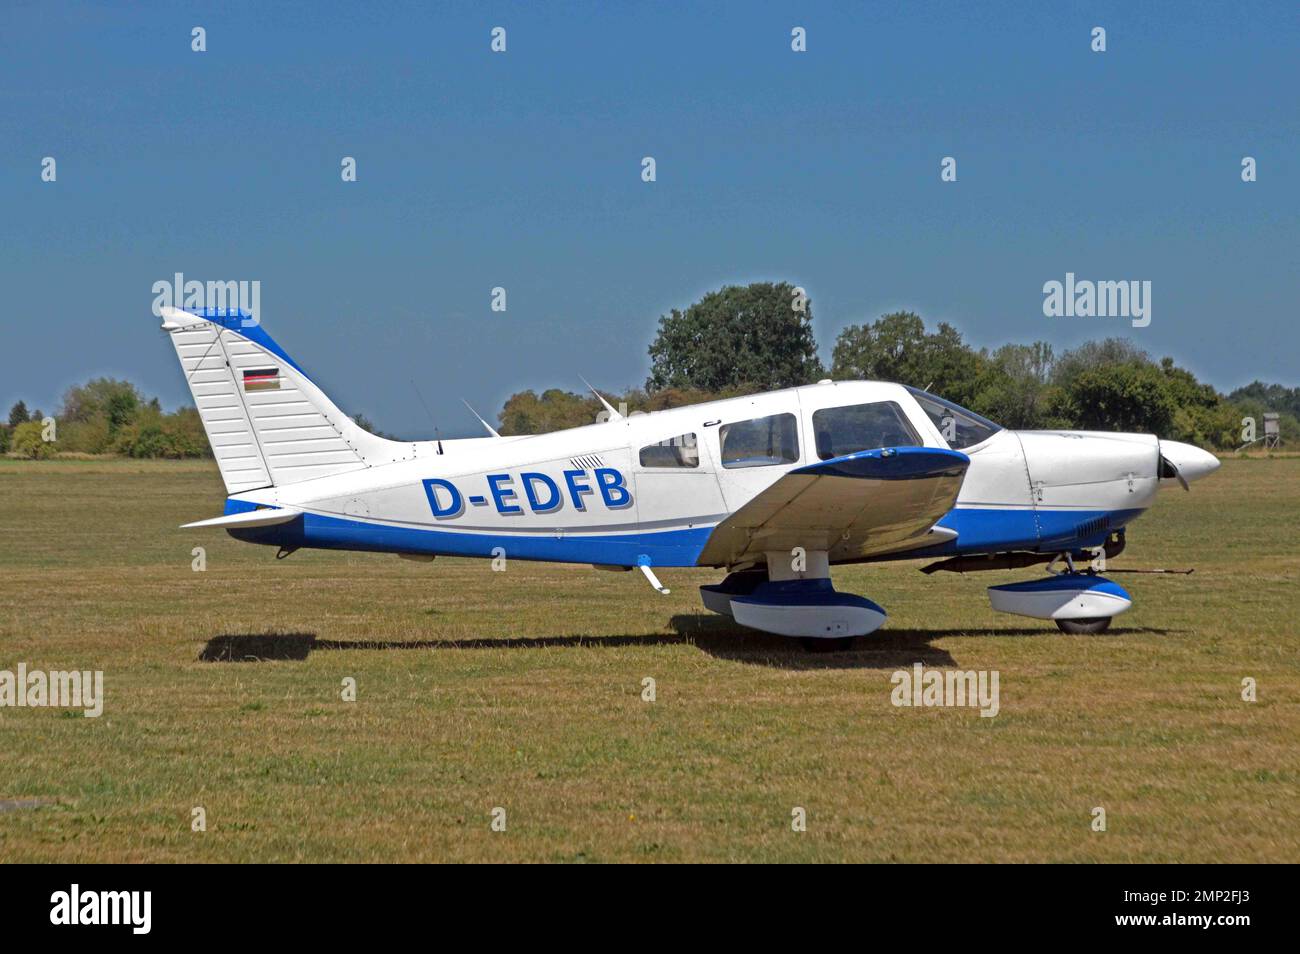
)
(716, 635)
(885, 649)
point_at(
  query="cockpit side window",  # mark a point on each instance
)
(960, 428)
(760, 442)
(859, 427)
(679, 451)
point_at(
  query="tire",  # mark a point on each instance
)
(1084, 627)
(818, 644)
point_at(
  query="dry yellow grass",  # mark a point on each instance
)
(522, 690)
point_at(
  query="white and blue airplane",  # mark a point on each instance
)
(775, 488)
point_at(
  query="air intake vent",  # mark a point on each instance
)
(586, 462)
(1092, 528)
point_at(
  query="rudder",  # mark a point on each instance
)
(268, 423)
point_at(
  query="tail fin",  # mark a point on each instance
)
(268, 424)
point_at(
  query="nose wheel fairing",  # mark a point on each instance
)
(1068, 596)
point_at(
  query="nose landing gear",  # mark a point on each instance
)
(1084, 627)
(1079, 603)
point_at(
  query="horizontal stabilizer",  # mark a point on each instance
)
(250, 518)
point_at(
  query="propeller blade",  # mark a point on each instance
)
(1168, 464)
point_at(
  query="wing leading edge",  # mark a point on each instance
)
(860, 505)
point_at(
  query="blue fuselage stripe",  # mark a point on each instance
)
(992, 530)
(980, 530)
(663, 547)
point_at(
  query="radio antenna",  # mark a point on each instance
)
(436, 436)
(613, 414)
(490, 429)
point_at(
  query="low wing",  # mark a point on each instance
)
(863, 504)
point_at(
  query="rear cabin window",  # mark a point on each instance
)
(760, 442)
(859, 427)
(679, 451)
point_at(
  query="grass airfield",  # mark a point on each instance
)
(522, 690)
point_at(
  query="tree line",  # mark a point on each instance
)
(742, 339)
(105, 416)
(759, 337)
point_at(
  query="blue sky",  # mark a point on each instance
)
(522, 170)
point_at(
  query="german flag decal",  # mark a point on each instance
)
(262, 379)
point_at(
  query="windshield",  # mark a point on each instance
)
(960, 428)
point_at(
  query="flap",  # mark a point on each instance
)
(863, 504)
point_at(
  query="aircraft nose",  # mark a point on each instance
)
(1190, 461)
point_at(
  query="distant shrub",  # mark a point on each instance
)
(84, 437)
(157, 435)
(28, 441)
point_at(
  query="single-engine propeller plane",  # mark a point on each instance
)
(775, 488)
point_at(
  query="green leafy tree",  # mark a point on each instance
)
(638, 400)
(121, 410)
(85, 437)
(18, 414)
(526, 413)
(106, 405)
(554, 410)
(1014, 388)
(758, 336)
(1092, 354)
(1201, 415)
(29, 442)
(155, 434)
(1272, 397)
(1244, 405)
(187, 434)
(1257, 399)
(143, 438)
(896, 347)
(99, 397)
(1131, 397)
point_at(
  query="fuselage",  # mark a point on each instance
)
(651, 488)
